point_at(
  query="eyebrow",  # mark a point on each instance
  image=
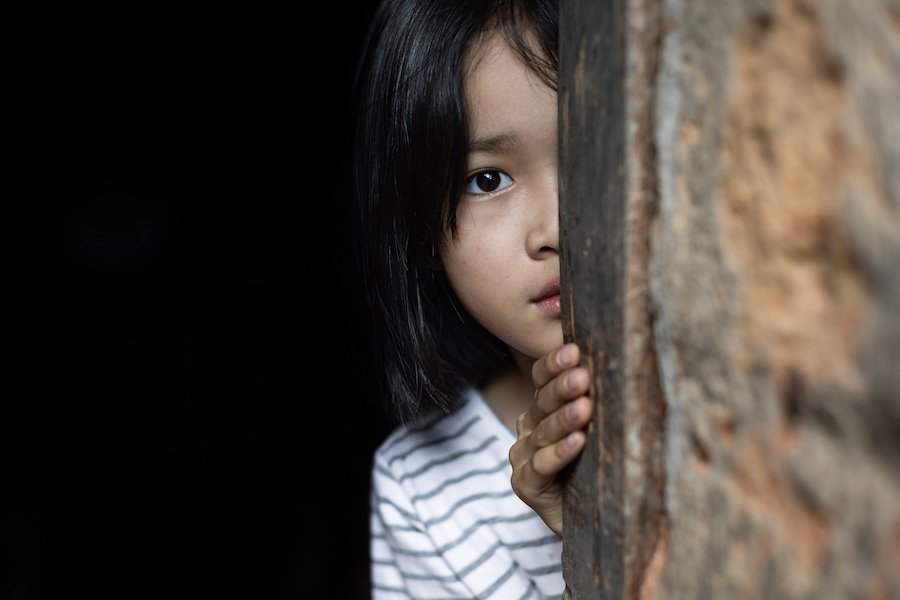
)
(496, 144)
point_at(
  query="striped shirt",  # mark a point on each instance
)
(445, 522)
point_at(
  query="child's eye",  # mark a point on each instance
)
(487, 182)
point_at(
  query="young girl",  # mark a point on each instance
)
(455, 177)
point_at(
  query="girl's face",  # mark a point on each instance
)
(504, 264)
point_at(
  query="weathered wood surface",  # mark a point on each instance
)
(615, 530)
(730, 205)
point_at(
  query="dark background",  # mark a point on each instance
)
(187, 412)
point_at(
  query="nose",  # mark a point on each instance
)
(543, 233)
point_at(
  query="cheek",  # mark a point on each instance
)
(475, 258)
(483, 277)
(481, 263)
(488, 236)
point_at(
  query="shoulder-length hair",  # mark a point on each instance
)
(410, 154)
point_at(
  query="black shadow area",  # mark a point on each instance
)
(184, 414)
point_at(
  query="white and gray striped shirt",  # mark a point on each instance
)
(445, 521)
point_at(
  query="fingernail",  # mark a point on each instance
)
(571, 411)
(571, 440)
(565, 356)
(572, 380)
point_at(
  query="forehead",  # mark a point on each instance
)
(502, 93)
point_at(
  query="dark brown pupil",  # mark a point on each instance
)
(488, 180)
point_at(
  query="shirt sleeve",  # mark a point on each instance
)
(405, 561)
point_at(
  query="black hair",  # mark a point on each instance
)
(409, 166)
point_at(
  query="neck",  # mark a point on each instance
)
(510, 393)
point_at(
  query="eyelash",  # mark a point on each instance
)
(471, 180)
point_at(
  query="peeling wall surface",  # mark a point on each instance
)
(774, 274)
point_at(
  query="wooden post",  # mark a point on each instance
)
(615, 523)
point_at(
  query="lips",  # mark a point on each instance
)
(551, 289)
(547, 300)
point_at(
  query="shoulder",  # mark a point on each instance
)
(440, 433)
(447, 438)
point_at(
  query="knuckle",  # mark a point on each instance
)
(563, 422)
(547, 403)
(520, 422)
(514, 453)
(539, 435)
(559, 385)
(560, 451)
(540, 466)
(517, 483)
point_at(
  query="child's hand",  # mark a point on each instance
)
(550, 432)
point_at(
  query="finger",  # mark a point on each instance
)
(573, 416)
(554, 363)
(528, 482)
(551, 397)
(550, 460)
(535, 476)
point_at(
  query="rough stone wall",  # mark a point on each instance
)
(775, 288)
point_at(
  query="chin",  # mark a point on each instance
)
(534, 351)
